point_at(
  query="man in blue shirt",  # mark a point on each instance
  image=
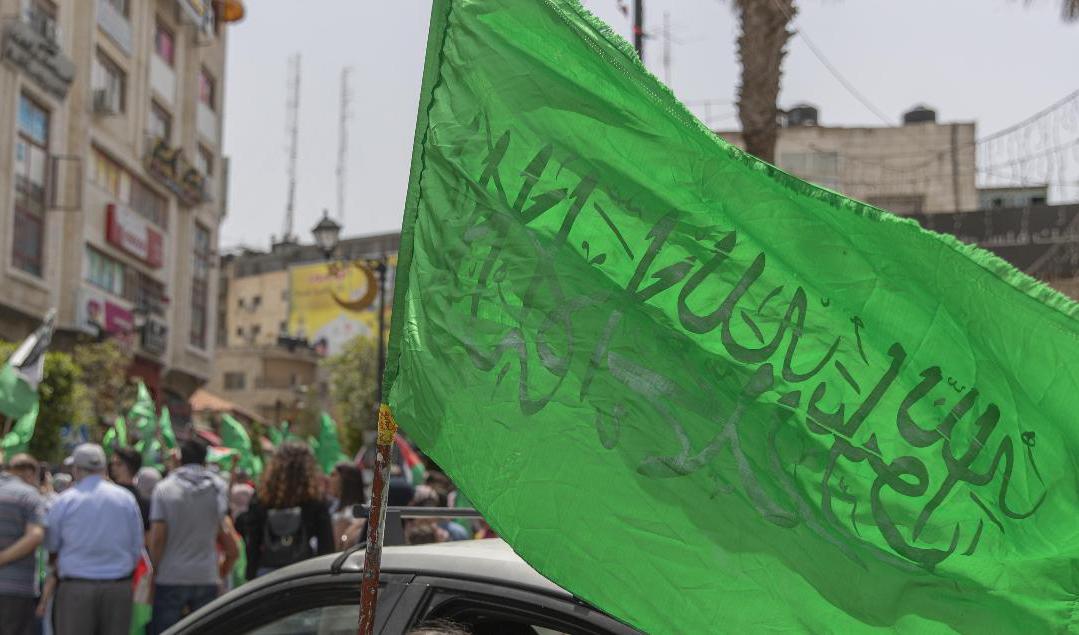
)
(95, 530)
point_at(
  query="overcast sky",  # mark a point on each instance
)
(991, 61)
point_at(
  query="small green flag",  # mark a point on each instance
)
(278, 434)
(18, 439)
(165, 424)
(234, 435)
(328, 451)
(116, 436)
(701, 393)
(143, 413)
(24, 370)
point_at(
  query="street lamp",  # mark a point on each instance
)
(327, 234)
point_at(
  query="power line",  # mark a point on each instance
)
(832, 69)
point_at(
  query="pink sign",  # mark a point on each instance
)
(97, 312)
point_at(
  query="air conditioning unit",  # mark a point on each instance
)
(104, 104)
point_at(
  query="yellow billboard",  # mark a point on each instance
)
(332, 303)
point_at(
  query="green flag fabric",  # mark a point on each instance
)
(276, 433)
(165, 424)
(234, 435)
(328, 448)
(701, 393)
(24, 370)
(116, 436)
(18, 439)
(143, 413)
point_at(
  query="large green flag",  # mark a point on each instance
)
(18, 439)
(234, 436)
(327, 449)
(143, 413)
(703, 394)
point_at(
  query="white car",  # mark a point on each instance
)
(480, 584)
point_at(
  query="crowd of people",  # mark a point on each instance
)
(101, 540)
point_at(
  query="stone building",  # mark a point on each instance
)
(263, 362)
(920, 167)
(114, 184)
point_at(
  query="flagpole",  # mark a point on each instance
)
(376, 521)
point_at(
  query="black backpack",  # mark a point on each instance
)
(284, 538)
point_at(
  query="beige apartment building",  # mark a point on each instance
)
(112, 182)
(919, 167)
(262, 364)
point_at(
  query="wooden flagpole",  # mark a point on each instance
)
(376, 522)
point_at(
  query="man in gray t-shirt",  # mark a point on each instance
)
(22, 528)
(187, 523)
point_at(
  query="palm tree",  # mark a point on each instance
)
(761, 48)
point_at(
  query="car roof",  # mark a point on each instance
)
(489, 559)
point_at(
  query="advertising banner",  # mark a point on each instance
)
(331, 304)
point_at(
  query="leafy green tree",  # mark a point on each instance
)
(353, 388)
(57, 398)
(104, 391)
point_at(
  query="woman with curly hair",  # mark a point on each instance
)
(288, 520)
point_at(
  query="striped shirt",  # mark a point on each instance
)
(20, 505)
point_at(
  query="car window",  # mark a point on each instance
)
(486, 608)
(323, 620)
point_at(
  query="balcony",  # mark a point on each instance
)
(115, 25)
(163, 80)
(34, 50)
(207, 123)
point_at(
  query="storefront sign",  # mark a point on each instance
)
(134, 234)
(39, 57)
(175, 172)
(97, 314)
(155, 337)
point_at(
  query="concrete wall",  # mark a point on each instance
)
(890, 167)
(271, 291)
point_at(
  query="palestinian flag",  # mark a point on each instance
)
(23, 371)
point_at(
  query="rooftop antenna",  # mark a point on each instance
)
(342, 142)
(292, 106)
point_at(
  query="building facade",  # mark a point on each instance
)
(266, 360)
(114, 185)
(919, 167)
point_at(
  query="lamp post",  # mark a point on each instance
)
(327, 235)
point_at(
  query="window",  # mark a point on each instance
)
(283, 327)
(31, 169)
(148, 204)
(145, 292)
(164, 44)
(255, 330)
(200, 286)
(141, 198)
(108, 175)
(109, 83)
(821, 168)
(256, 301)
(104, 272)
(239, 331)
(240, 303)
(160, 123)
(235, 381)
(41, 16)
(204, 161)
(207, 88)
